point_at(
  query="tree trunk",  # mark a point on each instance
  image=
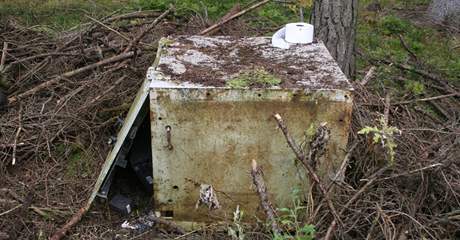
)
(335, 24)
(445, 11)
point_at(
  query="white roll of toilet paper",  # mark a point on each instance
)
(299, 33)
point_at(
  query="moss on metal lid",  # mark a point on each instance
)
(226, 61)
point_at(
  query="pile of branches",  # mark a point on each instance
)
(417, 194)
(400, 181)
(66, 95)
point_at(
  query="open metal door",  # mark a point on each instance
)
(137, 112)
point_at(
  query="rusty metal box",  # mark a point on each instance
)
(211, 105)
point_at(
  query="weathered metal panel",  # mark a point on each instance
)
(134, 110)
(216, 132)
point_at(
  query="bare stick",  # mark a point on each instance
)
(340, 175)
(55, 80)
(261, 189)
(171, 225)
(3, 59)
(10, 145)
(10, 210)
(300, 156)
(405, 46)
(386, 111)
(43, 55)
(372, 179)
(369, 75)
(235, 9)
(60, 233)
(15, 144)
(146, 30)
(427, 99)
(104, 93)
(138, 14)
(217, 25)
(109, 28)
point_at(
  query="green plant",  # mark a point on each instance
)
(415, 87)
(257, 76)
(383, 135)
(236, 231)
(291, 220)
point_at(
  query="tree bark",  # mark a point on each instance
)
(335, 24)
(445, 11)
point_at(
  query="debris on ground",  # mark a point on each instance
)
(67, 92)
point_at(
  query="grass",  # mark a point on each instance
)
(382, 36)
(60, 15)
(56, 15)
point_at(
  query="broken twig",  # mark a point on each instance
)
(136, 40)
(48, 83)
(301, 157)
(261, 189)
(3, 59)
(60, 233)
(330, 230)
(369, 75)
(220, 23)
(15, 144)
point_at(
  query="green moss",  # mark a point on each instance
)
(258, 76)
(78, 163)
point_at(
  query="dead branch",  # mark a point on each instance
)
(386, 111)
(300, 156)
(48, 83)
(258, 180)
(60, 233)
(235, 9)
(169, 224)
(43, 55)
(3, 59)
(94, 100)
(109, 28)
(330, 230)
(132, 15)
(427, 99)
(15, 144)
(369, 75)
(219, 24)
(340, 175)
(10, 145)
(406, 47)
(147, 29)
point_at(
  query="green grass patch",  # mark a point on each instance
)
(56, 15)
(380, 38)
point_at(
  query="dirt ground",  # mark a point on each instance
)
(57, 136)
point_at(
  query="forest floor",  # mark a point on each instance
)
(405, 186)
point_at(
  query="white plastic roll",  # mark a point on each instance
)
(278, 39)
(299, 33)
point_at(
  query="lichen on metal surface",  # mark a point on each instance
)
(213, 61)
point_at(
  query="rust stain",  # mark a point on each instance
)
(216, 139)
